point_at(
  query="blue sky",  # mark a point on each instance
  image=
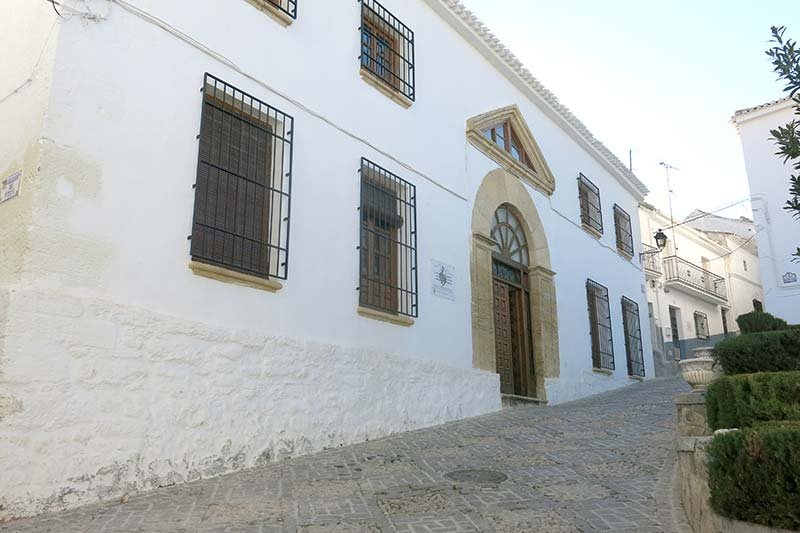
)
(661, 78)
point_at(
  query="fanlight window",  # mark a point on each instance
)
(507, 232)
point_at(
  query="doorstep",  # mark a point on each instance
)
(512, 400)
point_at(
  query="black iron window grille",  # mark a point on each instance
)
(600, 321)
(624, 231)
(591, 211)
(388, 249)
(633, 337)
(244, 173)
(287, 6)
(387, 48)
(701, 325)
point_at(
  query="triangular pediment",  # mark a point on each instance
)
(504, 136)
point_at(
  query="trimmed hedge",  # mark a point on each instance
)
(754, 474)
(748, 399)
(758, 321)
(771, 351)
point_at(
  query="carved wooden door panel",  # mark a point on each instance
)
(517, 339)
(502, 338)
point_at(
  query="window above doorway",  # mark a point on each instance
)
(509, 237)
(503, 136)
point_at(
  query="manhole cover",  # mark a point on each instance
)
(476, 476)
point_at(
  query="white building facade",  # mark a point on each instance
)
(777, 231)
(248, 234)
(706, 277)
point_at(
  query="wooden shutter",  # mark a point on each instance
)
(388, 256)
(624, 231)
(589, 198)
(600, 321)
(232, 197)
(594, 330)
(633, 337)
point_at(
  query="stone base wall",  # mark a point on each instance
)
(693, 462)
(693, 436)
(99, 399)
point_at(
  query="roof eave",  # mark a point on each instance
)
(479, 36)
(751, 113)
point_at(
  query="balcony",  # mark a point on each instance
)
(651, 261)
(687, 277)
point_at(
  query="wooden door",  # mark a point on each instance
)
(504, 353)
(517, 319)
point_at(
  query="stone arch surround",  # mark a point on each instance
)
(500, 187)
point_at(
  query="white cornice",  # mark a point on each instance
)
(743, 115)
(479, 36)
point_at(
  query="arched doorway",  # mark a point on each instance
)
(514, 314)
(512, 303)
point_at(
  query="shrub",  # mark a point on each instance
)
(771, 351)
(754, 474)
(747, 399)
(758, 321)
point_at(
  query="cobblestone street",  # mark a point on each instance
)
(600, 464)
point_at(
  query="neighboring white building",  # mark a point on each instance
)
(707, 222)
(451, 222)
(778, 233)
(699, 284)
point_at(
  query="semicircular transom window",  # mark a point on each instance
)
(507, 232)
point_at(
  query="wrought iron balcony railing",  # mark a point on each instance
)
(651, 260)
(688, 274)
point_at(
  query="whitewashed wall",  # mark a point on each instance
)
(28, 43)
(144, 374)
(769, 189)
(744, 278)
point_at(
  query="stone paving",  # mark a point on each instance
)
(601, 464)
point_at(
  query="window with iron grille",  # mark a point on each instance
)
(622, 225)
(289, 7)
(600, 322)
(701, 325)
(387, 48)
(388, 249)
(591, 212)
(244, 172)
(633, 337)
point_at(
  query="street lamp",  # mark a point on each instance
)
(661, 243)
(661, 239)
